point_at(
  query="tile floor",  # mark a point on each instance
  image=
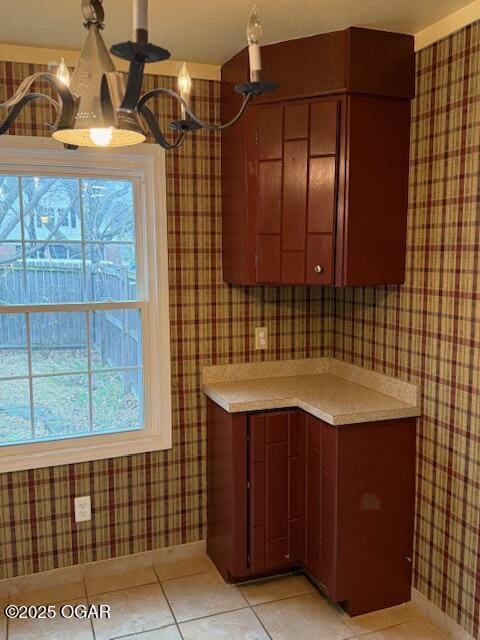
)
(188, 600)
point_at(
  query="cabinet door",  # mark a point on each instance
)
(321, 502)
(296, 191)
(276, 490)
(226, 491)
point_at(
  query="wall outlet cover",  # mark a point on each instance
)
(261, 338)
(83, 509)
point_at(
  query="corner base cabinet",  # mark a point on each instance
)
(287, 490)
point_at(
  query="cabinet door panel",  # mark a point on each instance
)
(328, 511)
(268, 267)
(314, 483)
(296, 540)
(296, 121)
(297, 495)
(321, 195)
(270, 133)
(277, 427)
(294, 212)
(323, 128)
(277, 552)
(277, 489)
(293, 267)
(319, 254)
(258, 495)
(258, 550)
(277, 493)
(313, 511)
(269, 205)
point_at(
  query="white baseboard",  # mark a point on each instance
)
(67, 575)
(439, 617)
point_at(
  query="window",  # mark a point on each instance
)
(84, 329)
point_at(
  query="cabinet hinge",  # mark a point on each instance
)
(257, 136)
(256, 259)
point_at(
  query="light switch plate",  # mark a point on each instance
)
(83, 509)
(261, 338)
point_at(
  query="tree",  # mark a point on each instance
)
(51, 216)
(107, 208)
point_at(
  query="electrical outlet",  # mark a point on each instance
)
(261, 338)
(83, 509)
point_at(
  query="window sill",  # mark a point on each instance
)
(85, 449)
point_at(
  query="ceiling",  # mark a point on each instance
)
(211, 31)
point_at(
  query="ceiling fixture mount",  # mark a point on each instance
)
(101, 107)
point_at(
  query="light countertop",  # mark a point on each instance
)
(329, 389)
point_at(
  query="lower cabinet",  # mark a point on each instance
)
(287, 490)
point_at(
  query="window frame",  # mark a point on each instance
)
(145, 166)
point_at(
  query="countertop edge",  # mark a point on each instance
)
(273, 404)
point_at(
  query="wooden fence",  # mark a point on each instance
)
(115, 335)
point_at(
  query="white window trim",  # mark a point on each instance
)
(146, 163)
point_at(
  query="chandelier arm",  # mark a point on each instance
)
(205, 125)
(157, 132)
(17, 108)
(65, 108)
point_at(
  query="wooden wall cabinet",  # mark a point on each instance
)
(287, 490)
(315, 177)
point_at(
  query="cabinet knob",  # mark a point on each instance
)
(318, 269)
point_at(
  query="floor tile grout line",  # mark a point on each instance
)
(179, 622)
(261, 623)
(132, 586)
(187, 575)
(180, 632)
(139, 633)
(213, 615)
(166, 599)
(392, 626)
(144, 584)
(296, 595)
(252, 607)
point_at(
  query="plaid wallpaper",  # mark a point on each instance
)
(157, 499)
(428, 331)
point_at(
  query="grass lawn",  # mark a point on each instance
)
(61, 403)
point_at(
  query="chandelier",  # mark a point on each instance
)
(101, 107)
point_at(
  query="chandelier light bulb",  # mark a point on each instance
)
(254, 35)
(101, 137)
(184, 86)
(254, 27)
(63, 73)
